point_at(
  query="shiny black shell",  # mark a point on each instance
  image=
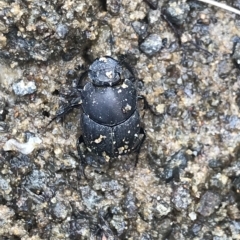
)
(110, 120)
(109, 105)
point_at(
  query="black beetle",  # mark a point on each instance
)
(110, 121)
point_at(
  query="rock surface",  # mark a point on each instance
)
(186, 184)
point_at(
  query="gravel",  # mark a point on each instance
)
(185, 55)
(209, 202)
(177, 11)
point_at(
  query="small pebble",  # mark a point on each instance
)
(140, 28)
(21, 88)
(177, 12)
(151, 45)
(181, 198)
(208, 203)
(36, 181)
(154, 16)
(114, 6)
(62, 31)
(59, 211)
(224, 68)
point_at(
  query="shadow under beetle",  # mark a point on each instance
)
(110, 121)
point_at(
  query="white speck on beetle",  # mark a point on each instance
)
(89, 149)
(98, 140)
(102, 59)
(120, 150)
(124, 85)
(127, 108)
(107, 158)
(109, 74)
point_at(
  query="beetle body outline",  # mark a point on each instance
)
(110, 120)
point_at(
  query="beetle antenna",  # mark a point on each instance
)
(66, 110)
(122, 61)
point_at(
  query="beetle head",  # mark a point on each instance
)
(105, 71)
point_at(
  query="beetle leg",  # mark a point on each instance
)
(74, 104)
(146, 104)
(137, 149)
(152, 4)
(88, 158)
(80, 80)
(172, 26)
(74, 96)
(128, 67)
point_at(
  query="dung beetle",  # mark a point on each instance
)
(110, 121)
